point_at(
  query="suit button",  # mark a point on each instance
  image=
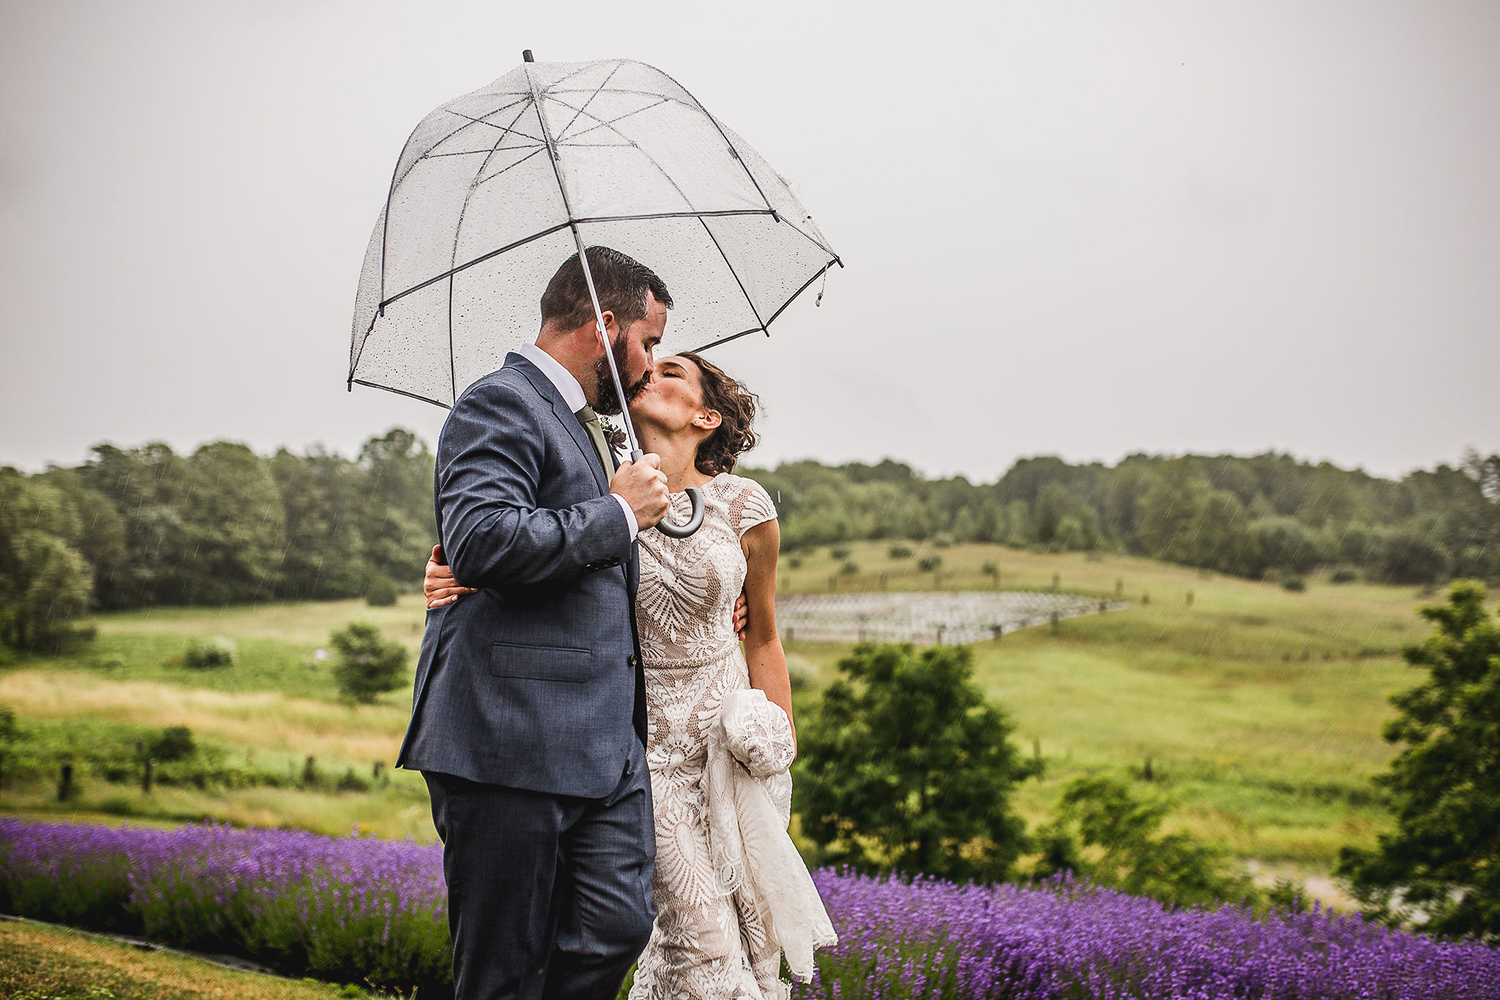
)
(631, 660)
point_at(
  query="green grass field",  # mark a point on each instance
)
(1259, 709)
(38, 962)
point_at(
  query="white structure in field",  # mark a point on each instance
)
(928, 617)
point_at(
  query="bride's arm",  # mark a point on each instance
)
(438, 584)
(763, 652)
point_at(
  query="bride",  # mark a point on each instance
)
(731, 892)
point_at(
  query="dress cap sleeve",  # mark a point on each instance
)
(753, 503)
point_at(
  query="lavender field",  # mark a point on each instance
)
(371, 912)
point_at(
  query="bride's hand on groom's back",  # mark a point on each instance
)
(741, 619)
(438, 583)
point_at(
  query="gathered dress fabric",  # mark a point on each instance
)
(729, 888)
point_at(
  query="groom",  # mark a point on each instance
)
(528, 719)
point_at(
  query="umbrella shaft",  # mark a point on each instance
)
(609, 353)
(583, 258)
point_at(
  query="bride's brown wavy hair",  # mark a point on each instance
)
(735, 435)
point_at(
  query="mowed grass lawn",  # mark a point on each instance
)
(1259, 709)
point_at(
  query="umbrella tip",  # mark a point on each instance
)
(526, 55)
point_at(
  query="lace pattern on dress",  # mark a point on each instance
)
(711, 940)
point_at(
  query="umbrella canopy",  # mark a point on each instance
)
(495, 189)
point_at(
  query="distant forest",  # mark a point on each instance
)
(145, 526)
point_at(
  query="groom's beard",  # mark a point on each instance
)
(609, 400)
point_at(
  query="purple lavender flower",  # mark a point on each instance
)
(364, 910)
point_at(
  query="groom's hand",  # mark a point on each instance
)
(644, 487)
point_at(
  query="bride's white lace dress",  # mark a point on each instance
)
(723, 918)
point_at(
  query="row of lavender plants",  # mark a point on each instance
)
(368, 911)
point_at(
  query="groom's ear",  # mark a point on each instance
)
(589, 329)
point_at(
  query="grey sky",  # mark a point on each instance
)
(1073, 228)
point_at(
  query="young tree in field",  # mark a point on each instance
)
(906, 767)
(368, 665)
(1104, 833)
(1443, 860)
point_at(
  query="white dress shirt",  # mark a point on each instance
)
(572, 394)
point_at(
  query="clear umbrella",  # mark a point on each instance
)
(495, 189)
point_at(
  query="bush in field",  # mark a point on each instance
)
(1443, 860)
(368, 665)
(1104, 833)
(1292, 581)
(175, 743)
(899, 552)
(839, 552)
(381, 593)
(1411, 555)
(211, 654)
(929, 563)
(905, 766)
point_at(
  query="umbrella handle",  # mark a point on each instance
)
(695, 518)
(694, 521)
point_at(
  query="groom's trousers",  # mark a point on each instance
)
(549, 896)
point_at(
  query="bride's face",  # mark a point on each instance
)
(673, 399)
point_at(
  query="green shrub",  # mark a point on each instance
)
(839, 552)
(1410, 555)
(381, 593)
(1292, 581)
(174, 743)
(1343, 575)
(929, 563)
(899, 552)
(368, 664)
(848, 568)
(211, 654)
(1107, 835)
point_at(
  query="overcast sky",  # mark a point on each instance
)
(1082, 229)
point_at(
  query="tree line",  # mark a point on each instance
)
(1244, 516)
(138, 527)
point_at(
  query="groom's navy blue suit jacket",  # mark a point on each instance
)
(535, 682)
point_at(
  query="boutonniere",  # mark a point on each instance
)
(613, 435)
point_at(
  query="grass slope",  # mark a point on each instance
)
(38, 962)
(1259, 709)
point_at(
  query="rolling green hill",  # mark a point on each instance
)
(1255, 709)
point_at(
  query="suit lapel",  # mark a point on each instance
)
(548, 391)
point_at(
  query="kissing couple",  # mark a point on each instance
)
(607, 767)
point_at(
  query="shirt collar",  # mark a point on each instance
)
(567, 385)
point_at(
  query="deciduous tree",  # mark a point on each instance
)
(905, 766)
(1442, 862)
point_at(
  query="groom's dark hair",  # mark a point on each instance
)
(622, 283)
